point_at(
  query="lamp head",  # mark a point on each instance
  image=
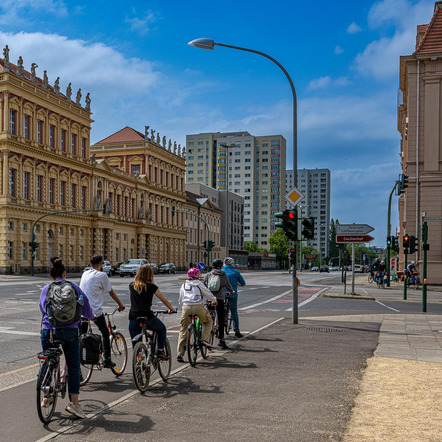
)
(203, 43)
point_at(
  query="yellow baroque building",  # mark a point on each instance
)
(46, 167)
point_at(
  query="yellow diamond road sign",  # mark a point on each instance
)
(294, 196)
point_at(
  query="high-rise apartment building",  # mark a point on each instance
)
(255, 167)
(315, 185)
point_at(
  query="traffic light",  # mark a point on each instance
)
(395, 244)
(308, 229)
(204, 244)
(34, 246)
(403, 183)
(389, 241)
(211, 245)
(413, 244)
(406, 242)
(292, 252)
(288, 223)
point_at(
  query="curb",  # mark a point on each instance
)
(349, 296)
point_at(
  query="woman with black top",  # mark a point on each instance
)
(141, 292)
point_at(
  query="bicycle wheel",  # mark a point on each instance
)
(227, 319)
(165, 365)
(370, 278)
(118, 348)
(85, 373)
(192, 345)
(140, 366)
(46, 384)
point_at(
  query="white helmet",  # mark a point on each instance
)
(229, 261)
(413, 263)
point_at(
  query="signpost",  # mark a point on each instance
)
(294, 196)
(351, 234)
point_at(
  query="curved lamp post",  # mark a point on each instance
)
(207, 43)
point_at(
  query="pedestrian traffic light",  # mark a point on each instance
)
(308, 228)
(211, 245)
(406, 242)
(413, 244)
(403, 183)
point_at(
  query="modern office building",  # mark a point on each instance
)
(46, 173)
(419, 123)
(232, 220)
(315, 185)
(255, 167)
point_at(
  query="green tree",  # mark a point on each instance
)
(280, 245)
(252, 247)
(310, 250)
(333, 247)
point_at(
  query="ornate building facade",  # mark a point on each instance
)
(46, 169)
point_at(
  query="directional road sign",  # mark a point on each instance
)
(294, 196)
(353, 238)
(353, 229)
(201, 266)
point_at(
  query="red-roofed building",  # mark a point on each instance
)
(419, 122)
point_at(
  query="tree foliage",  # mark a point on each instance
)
(252, 247)
(280, 245)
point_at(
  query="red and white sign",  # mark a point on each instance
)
(353, 238)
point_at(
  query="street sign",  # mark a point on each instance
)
(353, 229)
(311, 256)
(294, 196)
(353, 238)
(201, 266)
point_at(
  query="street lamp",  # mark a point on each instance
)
(207, 43)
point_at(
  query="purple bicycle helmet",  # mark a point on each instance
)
(193, 273)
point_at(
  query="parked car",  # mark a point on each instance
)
(324, 269)
(167, 268)
(315, 268)
(154, 267)
(335, 268)
(131, 266)
(107, 268)
(359, 268)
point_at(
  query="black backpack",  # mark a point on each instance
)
(62, 307)
(90, 348)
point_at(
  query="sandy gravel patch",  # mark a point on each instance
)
(399, 400)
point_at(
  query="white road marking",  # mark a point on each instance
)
(312, 298)
(386, 306)
(8, 330)
(266, 301)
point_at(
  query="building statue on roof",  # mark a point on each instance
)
(170, 144)
(88, 102)
(146, 133)
(69, 91)
(20, 66)
(152, 135)
(174, 148)
(78, 97)
(158, 138)
(164, 141)
(45, 80)
(57, 86)
(33, 67)
(6, 58)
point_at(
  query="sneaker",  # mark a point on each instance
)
(76, 410)
(107, 363)
(179, 358)
(161, 354)
(239, 335)
(207, 344)
(222, 344)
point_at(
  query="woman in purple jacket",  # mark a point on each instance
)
(68, 334)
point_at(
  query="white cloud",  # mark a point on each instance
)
(142, 24)
(380, 58)
(353, 28)
(16, 11)
(339, 50)
(323, 82)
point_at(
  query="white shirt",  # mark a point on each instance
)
(193, 291)
(95, 284)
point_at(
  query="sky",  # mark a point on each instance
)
(343, 57)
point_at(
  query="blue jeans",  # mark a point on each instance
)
(154, 324)
(233, 307)
(71, 349)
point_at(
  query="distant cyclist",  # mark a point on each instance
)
(411, 268)
(223, 285)
(235, 279)
(374, 268)
(95, 283)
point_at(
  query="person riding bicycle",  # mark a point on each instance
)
(191, 299)
(235, 278)
(68, 334)
(141, 292)
(374, 267)
(411, 269)
(223, 284)
(95, 283)
(382, 267)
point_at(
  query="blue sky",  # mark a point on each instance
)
(343, 57)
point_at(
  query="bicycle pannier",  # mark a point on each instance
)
(90, 348)
(214, 283)
(62, 307)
